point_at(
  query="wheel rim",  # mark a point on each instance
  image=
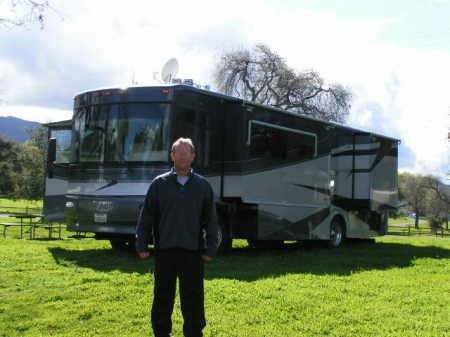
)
(336, 234)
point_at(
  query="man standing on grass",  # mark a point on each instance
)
(179, 210)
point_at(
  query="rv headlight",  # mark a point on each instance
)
(70, 204)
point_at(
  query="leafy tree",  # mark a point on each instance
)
(33, 157)
(438, 203)
(22, 166)
(37, 136)
(8, 159)
(427, 195)
(435, 210)
(30, 184)
(260, 75)
(413, 190)
(10, 167)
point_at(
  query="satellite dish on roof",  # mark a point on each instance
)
(170, 70)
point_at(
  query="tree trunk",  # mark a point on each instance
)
(416, 223)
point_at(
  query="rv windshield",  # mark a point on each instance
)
(131, 132)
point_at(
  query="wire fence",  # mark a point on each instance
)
(411, 230)
(21, 210)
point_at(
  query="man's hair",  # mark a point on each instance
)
(182, 140)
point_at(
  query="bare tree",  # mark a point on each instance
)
(262, 76)
(24, 12)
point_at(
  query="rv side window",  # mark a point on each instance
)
(280, 144)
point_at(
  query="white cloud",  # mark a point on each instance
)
(413, 106)
(398, 92)
(35, 113)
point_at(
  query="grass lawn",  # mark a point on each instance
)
(79, 287)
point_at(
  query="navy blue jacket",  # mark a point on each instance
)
(179, 216)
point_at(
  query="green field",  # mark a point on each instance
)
(79, 287)
(20, 206)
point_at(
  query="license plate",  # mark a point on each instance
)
(100, 217)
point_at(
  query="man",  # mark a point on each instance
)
(179, 210)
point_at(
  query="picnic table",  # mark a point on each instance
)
(51, 227)
(27, 226)
(24, 224)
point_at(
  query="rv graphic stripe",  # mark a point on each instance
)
(316, 189)
(305, 226)
(392, 152)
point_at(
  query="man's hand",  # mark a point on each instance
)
(207, 258)
(144, 255)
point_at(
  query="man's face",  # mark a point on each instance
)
(182, 157)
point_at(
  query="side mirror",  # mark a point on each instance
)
(51, 156)
(51, 150)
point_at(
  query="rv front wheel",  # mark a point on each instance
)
(336, 233)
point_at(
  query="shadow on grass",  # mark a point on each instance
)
(101, 260)
(248, 264)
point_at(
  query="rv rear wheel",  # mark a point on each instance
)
(227, 241)
(122, 244)
(337, 233)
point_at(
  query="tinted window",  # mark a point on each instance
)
(196, 125)
(281, 145)
(132, 132)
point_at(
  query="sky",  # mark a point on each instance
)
(394, 56)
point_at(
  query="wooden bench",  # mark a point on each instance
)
(51, 227)
(9, 225)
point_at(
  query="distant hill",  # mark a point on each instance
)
(14, 128)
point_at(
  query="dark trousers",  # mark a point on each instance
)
(188, 266)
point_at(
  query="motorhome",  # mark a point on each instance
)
(277, 176)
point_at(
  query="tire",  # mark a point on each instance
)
(227, 241)
(337, 233)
